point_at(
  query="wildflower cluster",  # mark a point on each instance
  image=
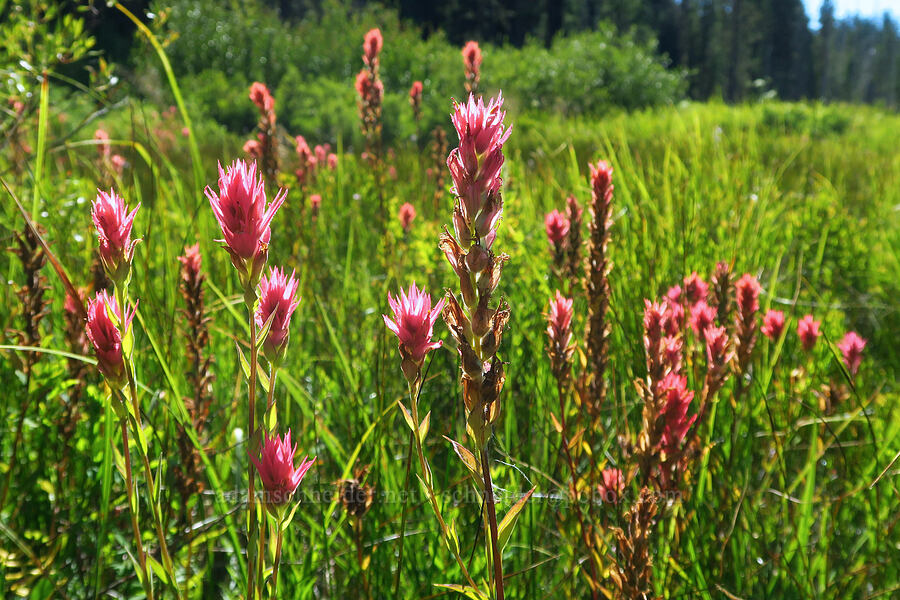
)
(309, 161)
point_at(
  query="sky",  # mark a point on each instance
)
(848, 8)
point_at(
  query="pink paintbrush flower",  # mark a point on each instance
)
(716, 345)
(276, 469)
(191, 261)
(612, 486)
(413, 324)
(363, 84)
(556, 226)
(315, 201)
(773, 324)
(253, 149)
(102, 139)
(372, 45)
(332, 161)
(475, 166)
(559, 332)
(654, 326)
(671, 352)
(601, 179)
(261, 97)
(321, 154)
(851, 347)
(415, 99)
(808, 332)
(278, 297)
(695, 289)
(241, 210)
(747, 291)
(415, 92)
(406, 215)
(471, 53)
(673, 294)
(678, 400)
(113, 223)
(559, 320)
(702, 316)
(303, 150)
(103, 322)
(307, 161)
(674, 317)
(118, 163)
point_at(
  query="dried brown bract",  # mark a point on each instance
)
(633, 570)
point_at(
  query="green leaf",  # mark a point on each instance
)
(468, 592)
(423, 426)
(264, 331)
(468, 459)
(271, 419)
(158, 569)
(506, 526)
(245, 366)
(407, 417)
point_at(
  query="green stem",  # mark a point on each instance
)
(154, 500)
(129, 486)
(575, 499)
(409, 453)
(277, 559)
(492, 522)
(270, 404)
(413, 393)
(270, 400)
(261, 554)
(169, 567)
(360, 559)
(251, 492)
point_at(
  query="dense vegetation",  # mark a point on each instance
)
(795, 494)
(730, 49)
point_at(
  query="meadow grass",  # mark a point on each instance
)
(783, 504)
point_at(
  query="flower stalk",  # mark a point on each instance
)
(597, 278)
(476, 326)
(132, 502)
(413, 324)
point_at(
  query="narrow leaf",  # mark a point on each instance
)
(467, 457)
(407, 417)
(264, 330)
(245, 366)
(504, 530)
(556, 424)
(468, 592)
(423, 426)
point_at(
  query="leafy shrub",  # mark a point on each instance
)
(586, 73)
